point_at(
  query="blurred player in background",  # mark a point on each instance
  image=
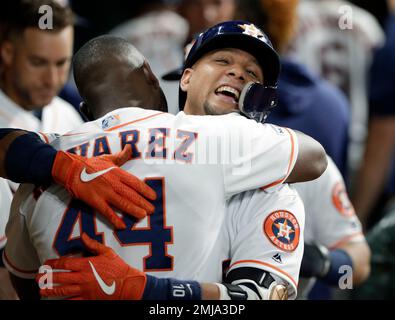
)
(377, 175)
(34, 67)
(376, 179)
(336, 39)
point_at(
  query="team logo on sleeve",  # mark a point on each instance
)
(341, 201)
(282, 229)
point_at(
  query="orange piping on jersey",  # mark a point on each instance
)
(266, 265)
(15, 268)
(345, 240)
(289, 164)
(134, 121)
(45, 137)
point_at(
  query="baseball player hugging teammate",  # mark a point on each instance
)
(131, 205)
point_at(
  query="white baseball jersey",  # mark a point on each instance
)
(194, 163)
(265, 231)
(58, 116)
(330, 217)
(336, 38)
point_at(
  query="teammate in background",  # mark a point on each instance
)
(376, 172)
(333, 234)
(34, 67)
(336, 39)
(232, 117)
(376, 179)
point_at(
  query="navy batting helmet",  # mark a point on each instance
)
(241, 35)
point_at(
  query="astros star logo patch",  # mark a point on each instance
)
(251, 30)
(282, 229)
(341, 201)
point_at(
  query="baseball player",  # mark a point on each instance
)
(376, 178)
(34, 67)
(284, 221)
(335, 199)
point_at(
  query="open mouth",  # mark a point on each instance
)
(230, 92)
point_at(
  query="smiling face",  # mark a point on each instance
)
(215, 81)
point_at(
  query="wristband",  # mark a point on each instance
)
(338, 258)
(171, 289)
(29, 160)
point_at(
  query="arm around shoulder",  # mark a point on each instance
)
(311, 162)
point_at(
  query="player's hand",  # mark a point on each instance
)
(102, 277)
(100, 183)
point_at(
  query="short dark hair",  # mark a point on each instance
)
(19, 15)
(95, 53)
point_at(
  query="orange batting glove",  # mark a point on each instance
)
(100, 183)
(102, 277)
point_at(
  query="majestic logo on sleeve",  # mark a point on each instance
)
(282, 229)
(341, 201)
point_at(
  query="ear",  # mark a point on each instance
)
(7, 52)
(151, 78)
(86, 112)
(185, 79)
